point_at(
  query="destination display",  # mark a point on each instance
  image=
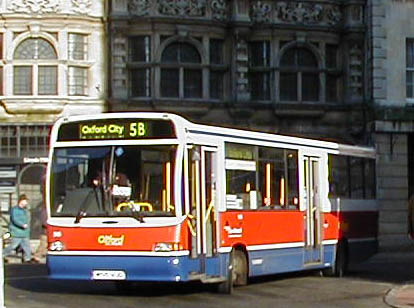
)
(115, 129)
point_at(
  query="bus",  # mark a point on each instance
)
(153, 197)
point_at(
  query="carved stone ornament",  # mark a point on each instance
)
(139, 7)
(334, 15)
(182, 7)
(82, 6)
(298, 12)
(34, 6)
(219, 9)
(261, 12)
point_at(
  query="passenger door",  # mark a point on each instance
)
(313, 213)
(203, 185)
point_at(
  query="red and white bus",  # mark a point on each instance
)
(154, 197)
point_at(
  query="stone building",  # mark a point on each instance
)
(52, 63)
(391, 62)
(292, 67)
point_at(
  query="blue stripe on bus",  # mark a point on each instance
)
(141, 268)
(148, 268)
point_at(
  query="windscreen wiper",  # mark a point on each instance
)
(85, 204)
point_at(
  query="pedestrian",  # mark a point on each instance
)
(20, 230)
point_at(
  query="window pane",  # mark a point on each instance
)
(45, 50)
(189, 54)
(140, 82)
(331, 88)
(331, 56)
(298, 57)
(35, 49)
(370, 184)
(278, 178)
(47, 80)
(22, 80)
(170, 53)
(260, 85)
(169, 82)
(410, 78)
(78, 80)
(288, 58)
(77, 46)
(338, 176)
(310, 86)
(192, 84)
(288, 87)
(259, 53)
(357, 176)
(139, 48)
(216, 51)
(305, 58)
(216, 85)
(410, 53)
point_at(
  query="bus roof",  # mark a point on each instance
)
(235, 134)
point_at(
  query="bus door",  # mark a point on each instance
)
(313, 236)
(203, 183)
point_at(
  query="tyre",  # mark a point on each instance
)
(237, 273)
(239, 268)
(340, 266)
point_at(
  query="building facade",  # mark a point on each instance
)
(392, 66)
(292, 67)
(300, 67)
(52, 63)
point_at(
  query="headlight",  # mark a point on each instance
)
(57, 246)
(166, 247)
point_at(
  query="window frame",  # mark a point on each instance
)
(35, 62)
(182, 68)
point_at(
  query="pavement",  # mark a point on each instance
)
(401, 296)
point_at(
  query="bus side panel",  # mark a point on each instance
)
(360, 229)
(262, 227)
(274, 239)
(273, 261)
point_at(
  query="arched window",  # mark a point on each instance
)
(299, 76)
(35, 68)
(181, 72)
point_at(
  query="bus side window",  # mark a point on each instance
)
(278, 178)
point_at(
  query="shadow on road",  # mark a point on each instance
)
(388, 268)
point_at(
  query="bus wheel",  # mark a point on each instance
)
(340, 266)
(239, 268)
(226, 287)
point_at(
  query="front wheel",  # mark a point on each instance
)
(237, 272)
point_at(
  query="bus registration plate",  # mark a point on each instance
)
(108, 275)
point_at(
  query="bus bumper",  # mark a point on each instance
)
(132, 268)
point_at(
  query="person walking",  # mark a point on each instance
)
(20, 230)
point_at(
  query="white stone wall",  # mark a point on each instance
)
(53, 20)
(391, 23)
(399, 26)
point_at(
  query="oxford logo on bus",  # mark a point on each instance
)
(110, 240)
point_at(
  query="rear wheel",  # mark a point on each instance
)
(340, 267)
